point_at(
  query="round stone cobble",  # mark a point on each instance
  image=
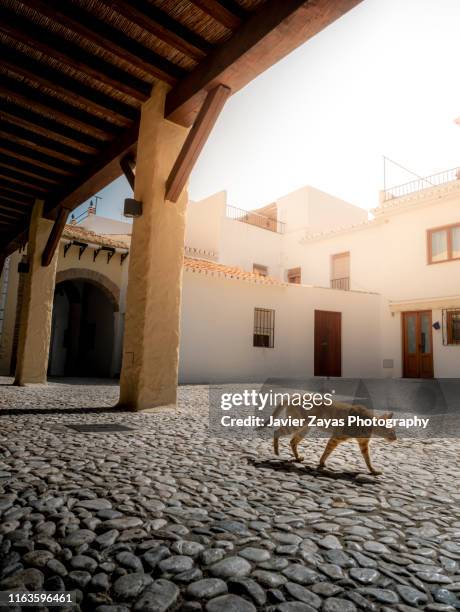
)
(166, 517)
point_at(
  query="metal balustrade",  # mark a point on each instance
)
(253, 218)
(340, 283)
(422, 183)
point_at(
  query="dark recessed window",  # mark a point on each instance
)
(264, 327)
(452, 326)
(340, 271)
(259, 269)
(294, 276)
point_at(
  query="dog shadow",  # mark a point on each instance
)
(302, 469)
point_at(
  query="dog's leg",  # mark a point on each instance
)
(332, 444)
(364, 447)
(295, 441)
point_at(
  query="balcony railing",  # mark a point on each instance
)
(340, 283)
(422, 183)
(252, 218)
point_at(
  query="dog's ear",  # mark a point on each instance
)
(387, 415)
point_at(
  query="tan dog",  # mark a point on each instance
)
(336, 418)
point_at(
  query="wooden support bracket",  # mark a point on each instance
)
(55, 236)
(82, 246)
(195, 141)
(128, 166)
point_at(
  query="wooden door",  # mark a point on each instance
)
(328, 343)
(417, 344)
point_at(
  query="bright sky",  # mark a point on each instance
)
(382, 80)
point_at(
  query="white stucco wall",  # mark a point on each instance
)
(311, 208)
(204, 223)
(106, 225)
(217, 330)
(389, 256)
(244, 245)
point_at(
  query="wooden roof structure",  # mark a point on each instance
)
(74, 74)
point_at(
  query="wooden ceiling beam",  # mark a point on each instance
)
(195, 141)
(33, 98)
(45, 126)
(16, 200)
(8, 186)
(31, 159)
(70, 54)
(37, 155)
(11, 205)
(109, 38)
(60, 83)
(15, 215)
(265, 37)
(33, 141)
(14, 163)
(219, 13)
(6, 220)
(14, 240)
(23, 180)
(147, 16)
(55, 236)
(41, 151)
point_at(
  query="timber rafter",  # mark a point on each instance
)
(73, 77)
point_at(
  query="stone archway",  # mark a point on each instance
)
(111, 290)
(86, 304)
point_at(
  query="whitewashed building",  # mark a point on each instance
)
(307, 285)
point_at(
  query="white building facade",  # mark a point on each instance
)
(305, 286)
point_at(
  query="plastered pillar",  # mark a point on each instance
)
(37, 305)
(151, 335)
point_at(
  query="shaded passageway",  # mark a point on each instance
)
(82, 336)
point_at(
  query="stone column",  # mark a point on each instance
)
(119, 323)
(37, 305)
(151, 336)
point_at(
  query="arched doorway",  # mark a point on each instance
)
(82, 336)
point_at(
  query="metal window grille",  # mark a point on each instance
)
(264, 327)
(451, 326)
(4, 294)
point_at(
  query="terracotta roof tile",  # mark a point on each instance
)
(191, 264)
(76, 232)
(202, 266)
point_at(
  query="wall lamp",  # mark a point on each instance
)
(132, 208)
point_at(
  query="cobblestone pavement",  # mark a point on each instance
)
(165, 517)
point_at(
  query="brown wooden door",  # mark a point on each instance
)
(328, 343)
(417, 345)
